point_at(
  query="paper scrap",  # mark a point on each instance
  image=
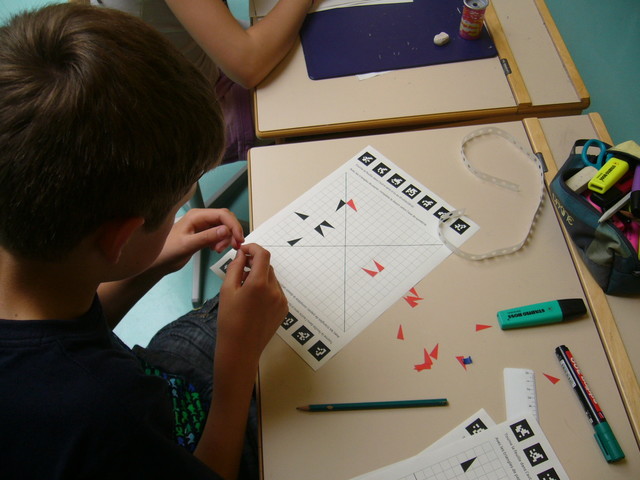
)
(482, 327)
(464, 361)
(413, 298)
(551, 378)
(434, 352)
(426, 365)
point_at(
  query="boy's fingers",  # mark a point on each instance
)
(235, 270)
(235, 229)
(210, 238)
(254, 258)
(228, 218)
(258, 261)
(205, 219)
(221, 245)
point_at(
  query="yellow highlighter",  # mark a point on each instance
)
(608, 175)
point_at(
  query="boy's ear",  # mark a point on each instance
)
(114, 235)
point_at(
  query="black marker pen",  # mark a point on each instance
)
(604, 436)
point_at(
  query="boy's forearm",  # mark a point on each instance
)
(221, 444)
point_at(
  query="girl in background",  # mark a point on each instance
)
(234, 59)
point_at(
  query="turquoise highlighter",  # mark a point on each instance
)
(541, 313)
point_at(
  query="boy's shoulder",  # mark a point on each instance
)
(73, 365)
(76, 400)
(77, 360)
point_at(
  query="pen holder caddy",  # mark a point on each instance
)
(607, 252)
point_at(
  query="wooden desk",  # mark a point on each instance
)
(544, 81)
(458, 295)
(617, 316)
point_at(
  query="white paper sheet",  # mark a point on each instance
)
(479, 422)
(349, 248)
(476, 423)
(515, 449)
(259, 8)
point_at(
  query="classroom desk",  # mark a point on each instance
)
(543, 81)
(458, 295)
(618, 324)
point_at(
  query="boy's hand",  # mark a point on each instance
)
(252, 304)
(199, 228)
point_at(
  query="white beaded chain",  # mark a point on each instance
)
(455, 214)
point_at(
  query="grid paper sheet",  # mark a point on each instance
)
(514, 449)
(349, 248)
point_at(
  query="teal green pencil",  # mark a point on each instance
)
(333, 407)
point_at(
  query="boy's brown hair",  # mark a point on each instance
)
(100, 119)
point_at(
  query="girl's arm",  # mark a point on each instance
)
(245, 56)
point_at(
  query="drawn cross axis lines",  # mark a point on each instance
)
(342, 253)
(349, 248)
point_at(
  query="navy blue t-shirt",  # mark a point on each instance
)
(75, 403)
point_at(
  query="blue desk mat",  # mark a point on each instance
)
(376, 38)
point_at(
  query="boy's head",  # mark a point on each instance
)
(100, 119)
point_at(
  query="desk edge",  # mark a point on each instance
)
(610, 337)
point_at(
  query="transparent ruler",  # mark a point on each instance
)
(520, 392)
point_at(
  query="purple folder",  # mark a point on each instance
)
(375, 38)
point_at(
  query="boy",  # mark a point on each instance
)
(104, 130)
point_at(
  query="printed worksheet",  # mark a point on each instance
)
(479, 422)
(513, 449)
(476, 423)
(259, 8)
(349, 248)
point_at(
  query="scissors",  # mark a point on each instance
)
(600, 159)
